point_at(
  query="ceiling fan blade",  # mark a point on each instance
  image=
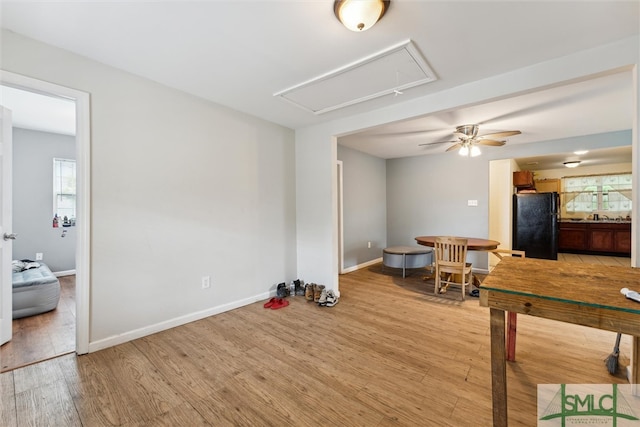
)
(455, 146)
(491, 142)
(436, 143)
(500, 134)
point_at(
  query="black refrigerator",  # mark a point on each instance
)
(535, 224)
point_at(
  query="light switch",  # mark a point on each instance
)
(472, 203)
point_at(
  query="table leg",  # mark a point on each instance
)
(404, 264)
(512, 320)
(498, 368)
(635, 365)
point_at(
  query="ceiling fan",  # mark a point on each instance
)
(468, 140)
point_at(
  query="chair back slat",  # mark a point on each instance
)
(451, 251)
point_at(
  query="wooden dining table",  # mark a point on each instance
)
(582, 294)
(473, 243)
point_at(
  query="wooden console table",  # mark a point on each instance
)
(582, 294)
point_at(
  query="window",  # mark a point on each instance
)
(64, 192)
(594, 193)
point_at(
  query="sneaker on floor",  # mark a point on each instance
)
(331, 298)
(317, 291)
(322, 301)
(298, 287)
(282, 291)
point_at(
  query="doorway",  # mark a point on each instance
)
(78, 303)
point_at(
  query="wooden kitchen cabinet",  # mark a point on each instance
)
(622, 239)
(600, 239)
(523, 179)
(595, 237)
(547, 185)
(573, 236)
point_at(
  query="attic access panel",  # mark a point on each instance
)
(394, 69)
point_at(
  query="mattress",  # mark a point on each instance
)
(35, 291)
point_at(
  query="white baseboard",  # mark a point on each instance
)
(172, 323)
(363, 265)
(375, 261)
(64, 273)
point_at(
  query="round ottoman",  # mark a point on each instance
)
(406, 257)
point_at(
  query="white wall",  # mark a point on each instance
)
(33, 154)
(500, 204)
(181, 188)
(364, 206)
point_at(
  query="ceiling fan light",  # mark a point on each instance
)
(475, 151)
(572, 164)
(464, 151)
(359, 15)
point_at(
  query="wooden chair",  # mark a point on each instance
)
(512, 318)
(451, 259)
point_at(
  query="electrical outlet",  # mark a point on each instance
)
(38, 256)
(206, 282)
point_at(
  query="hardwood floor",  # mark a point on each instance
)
(595, 259)
(389, 354)
(47, 335)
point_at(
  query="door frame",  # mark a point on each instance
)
(6, 224)
(83, 192)
(339, 189)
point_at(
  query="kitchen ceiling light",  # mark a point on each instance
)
(580, 152)
(359, 15)
(572, 164)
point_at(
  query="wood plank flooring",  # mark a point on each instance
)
(46, 335)
(389, 354)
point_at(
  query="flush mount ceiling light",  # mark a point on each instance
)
(572, 164)
(359, 15)
(580, 152)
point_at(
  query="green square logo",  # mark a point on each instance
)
(612, 405)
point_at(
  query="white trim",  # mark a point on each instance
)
(363, 265)
(175, 322)
(340, 219)
(83, 183)
(64, 273)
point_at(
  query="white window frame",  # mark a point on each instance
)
(56, 193)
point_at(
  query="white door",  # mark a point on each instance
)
(6, 246)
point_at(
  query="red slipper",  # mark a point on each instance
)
(279, 304)
(269, 303)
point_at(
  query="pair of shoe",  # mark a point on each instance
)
(312, 292)
(282, 290)
(276, 303)
(309, 291)
(298, 287)
(328, 298)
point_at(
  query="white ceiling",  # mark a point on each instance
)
(240, 53)
(30, 110)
